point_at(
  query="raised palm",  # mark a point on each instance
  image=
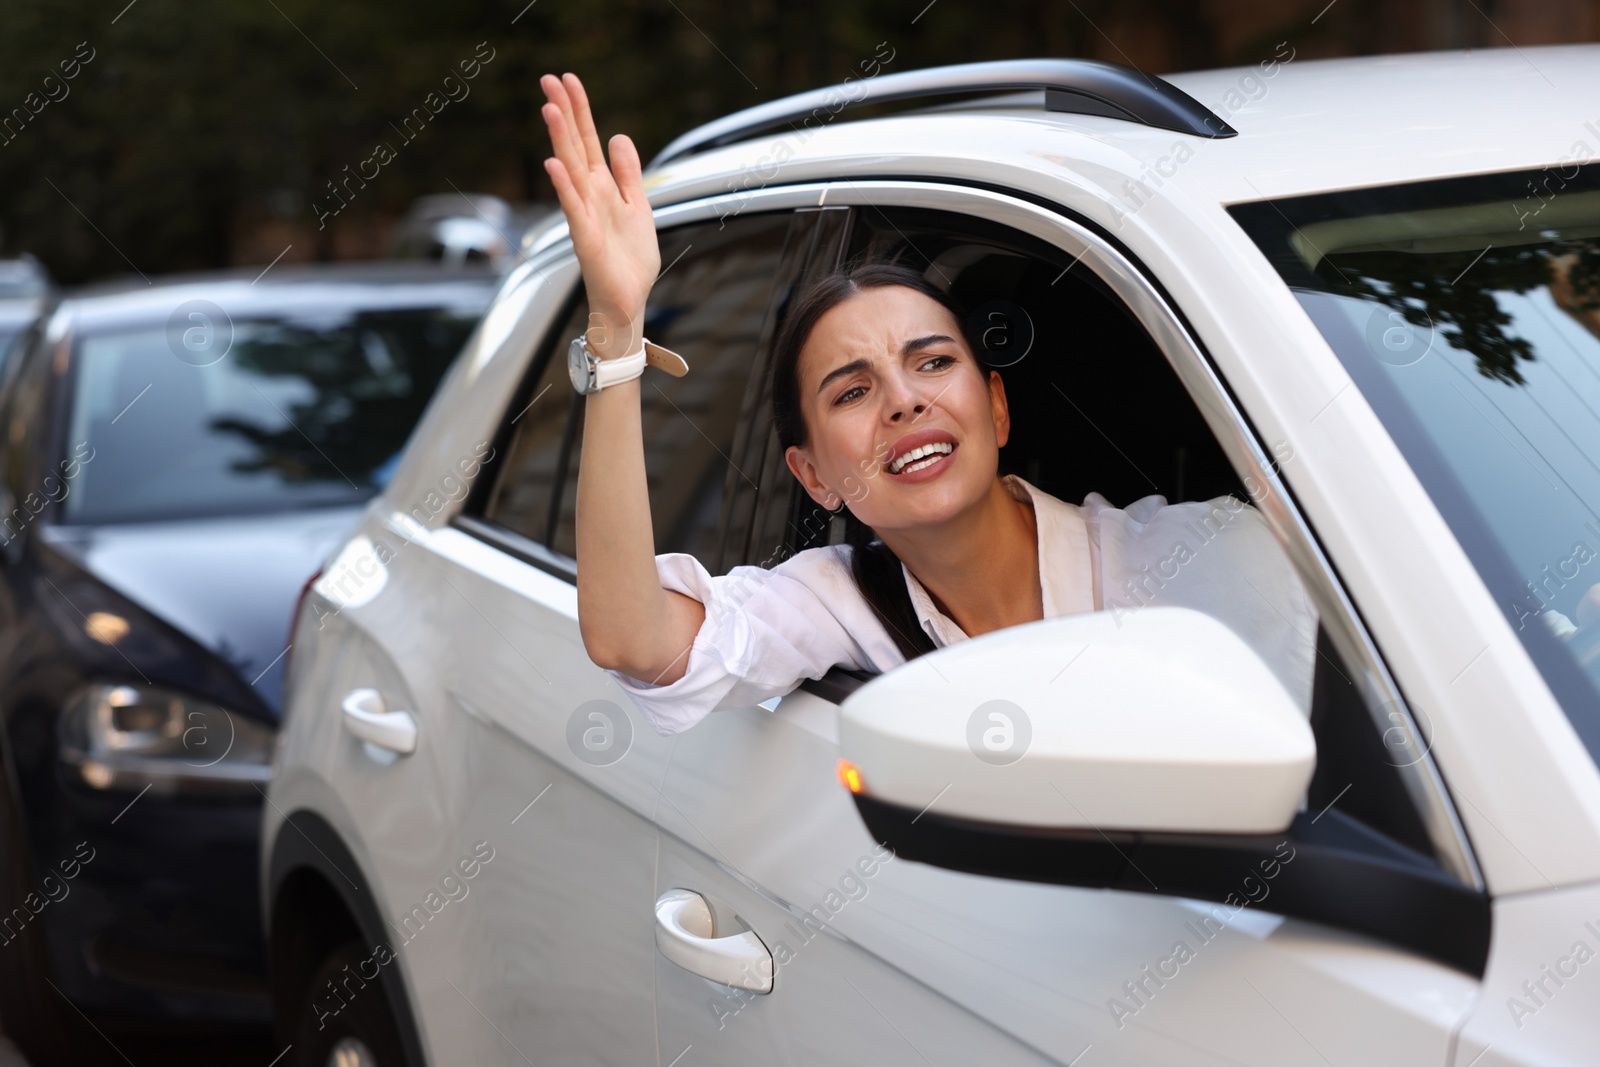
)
(613, 230)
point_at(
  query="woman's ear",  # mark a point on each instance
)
(801, 466)
(999, 409)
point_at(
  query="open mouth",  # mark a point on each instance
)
(922, 457)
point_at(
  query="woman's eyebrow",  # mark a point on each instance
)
(916, 344)
(839, 372)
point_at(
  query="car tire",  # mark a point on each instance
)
(345, 1019)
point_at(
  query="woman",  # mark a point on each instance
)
(881, 401)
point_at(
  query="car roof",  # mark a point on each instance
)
(302, 287)
(1303, 126)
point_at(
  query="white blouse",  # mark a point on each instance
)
(767, 630)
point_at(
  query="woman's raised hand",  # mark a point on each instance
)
(613, 230)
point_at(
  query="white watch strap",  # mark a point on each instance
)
(616, 371)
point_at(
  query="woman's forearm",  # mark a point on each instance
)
(628, 621)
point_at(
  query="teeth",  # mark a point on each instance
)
(908, 461)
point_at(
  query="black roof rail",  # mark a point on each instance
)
(1077, 86)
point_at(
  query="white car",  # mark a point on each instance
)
(1363, 294)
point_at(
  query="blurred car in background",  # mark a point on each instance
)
(24, 289)
(461, 228)
(175, 463)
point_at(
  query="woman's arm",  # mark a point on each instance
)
(629, 623)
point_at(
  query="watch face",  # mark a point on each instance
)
(578, 366)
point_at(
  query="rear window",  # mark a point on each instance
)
(302, 410)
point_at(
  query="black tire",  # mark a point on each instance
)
(357, 1010)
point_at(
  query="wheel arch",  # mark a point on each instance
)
(318, 899)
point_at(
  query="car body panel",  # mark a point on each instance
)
(756, 793)
(229, 583)
(1539, 1002)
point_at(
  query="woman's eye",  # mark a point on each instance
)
(847, 396)
(943, 361)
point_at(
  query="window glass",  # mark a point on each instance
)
(301, 411)
(710, 305)
(1468, 313)
(524, 484)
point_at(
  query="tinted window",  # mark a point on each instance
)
(301, 411)
(710, 305)
(1468, 312)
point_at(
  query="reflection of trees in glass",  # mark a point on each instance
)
(371, 377)
(1466, 312)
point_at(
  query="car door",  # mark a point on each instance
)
(878, 959)
(555, 772)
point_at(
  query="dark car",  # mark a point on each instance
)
(175, 463)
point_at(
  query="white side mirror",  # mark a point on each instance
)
(1162, 721)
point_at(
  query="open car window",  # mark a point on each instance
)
(1096, 407)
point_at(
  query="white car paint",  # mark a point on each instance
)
(921, 964)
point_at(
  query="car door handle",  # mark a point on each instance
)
(366, 717)
(686, 935)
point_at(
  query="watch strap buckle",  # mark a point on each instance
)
(665, 359)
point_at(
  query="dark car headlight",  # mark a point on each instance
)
(133, 736)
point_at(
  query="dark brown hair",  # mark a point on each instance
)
(875, 568)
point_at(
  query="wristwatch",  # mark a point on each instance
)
(590, 373)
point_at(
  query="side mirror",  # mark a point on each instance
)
(1153, 753)
(1162, 721)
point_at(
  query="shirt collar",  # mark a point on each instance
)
(1066, 573)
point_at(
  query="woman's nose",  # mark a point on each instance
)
(903, 397)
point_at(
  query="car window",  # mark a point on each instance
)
(1096, 407)
(302, 410)
(1468, 313)
(711, 306)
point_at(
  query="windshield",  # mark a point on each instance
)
(1468, 313)
(300, 411)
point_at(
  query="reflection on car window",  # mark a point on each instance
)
(710, 305)
(1469, 314)
(297, 413)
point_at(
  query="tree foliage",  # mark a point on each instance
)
(195, 122)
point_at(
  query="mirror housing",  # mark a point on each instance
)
(1159, 720)
(1155, 753)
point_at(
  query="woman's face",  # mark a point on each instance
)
(883, 373)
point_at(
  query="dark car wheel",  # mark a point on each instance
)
(345, 1021)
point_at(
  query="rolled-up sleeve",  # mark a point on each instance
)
(765, 632)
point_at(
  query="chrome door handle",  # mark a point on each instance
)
(686, 935)
(366, 717)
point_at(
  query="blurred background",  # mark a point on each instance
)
(207, 136)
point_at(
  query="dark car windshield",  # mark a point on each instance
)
(1468, 313)
(303, 409)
